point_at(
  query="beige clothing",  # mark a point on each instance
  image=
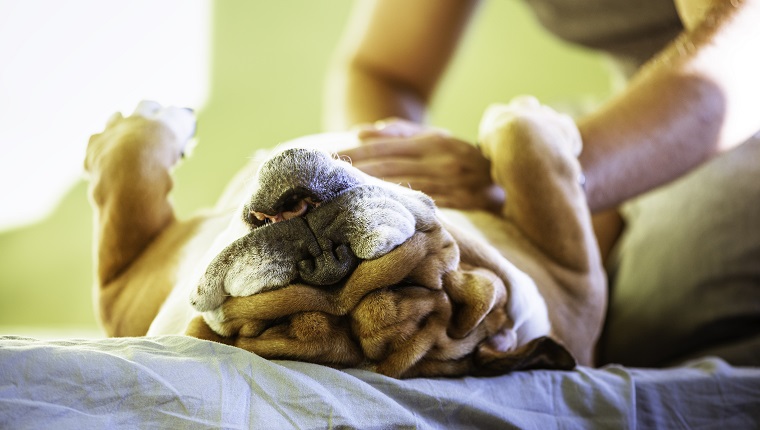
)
(631, 31)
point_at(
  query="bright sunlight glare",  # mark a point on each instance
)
(66, 66)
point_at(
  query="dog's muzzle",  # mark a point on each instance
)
(312, 219)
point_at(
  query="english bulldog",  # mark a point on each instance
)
(306, 257)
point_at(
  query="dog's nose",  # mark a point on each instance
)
(330, 266)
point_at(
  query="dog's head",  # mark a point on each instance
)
(348, 270)
(311, 218)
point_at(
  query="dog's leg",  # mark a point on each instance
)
(533, 152)
(128, 166)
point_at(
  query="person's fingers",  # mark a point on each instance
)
(454, 172)
(484, 196)
(445, 168)
(437, 181)
(391, 127)
(389, 146)
(422, 146)
(484, 199)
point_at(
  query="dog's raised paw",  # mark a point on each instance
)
(181, 121)
(529, 114)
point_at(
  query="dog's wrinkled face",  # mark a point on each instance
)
(343, 269)
(312, 218)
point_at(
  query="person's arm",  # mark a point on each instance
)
(390, 59)
(695, 99)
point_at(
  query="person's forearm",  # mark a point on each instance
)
(391, 58)
(357, 95)
(693, 101)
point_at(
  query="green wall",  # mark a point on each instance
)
(268, 66)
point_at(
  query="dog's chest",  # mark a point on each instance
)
(484, 226)
(501, 234)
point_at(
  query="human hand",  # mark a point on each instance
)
(451, 171)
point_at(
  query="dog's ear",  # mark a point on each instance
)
(540, 353)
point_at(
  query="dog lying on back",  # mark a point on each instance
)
(317, 261)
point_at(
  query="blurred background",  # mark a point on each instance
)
(253, 71)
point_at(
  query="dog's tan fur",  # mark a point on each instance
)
(143, 251)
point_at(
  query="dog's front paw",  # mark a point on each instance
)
(527, 117)
(152, 132)
(181, 121)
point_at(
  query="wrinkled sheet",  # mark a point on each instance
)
(182, 382)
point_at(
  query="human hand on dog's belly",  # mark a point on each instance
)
(451, 171)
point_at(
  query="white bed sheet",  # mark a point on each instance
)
(181, 382)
